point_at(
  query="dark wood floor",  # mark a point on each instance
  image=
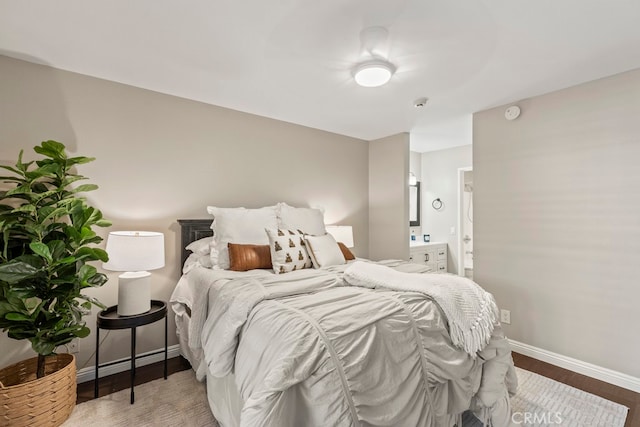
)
(620, 395)
(122, 381)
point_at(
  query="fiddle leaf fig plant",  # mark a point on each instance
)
(46, 243)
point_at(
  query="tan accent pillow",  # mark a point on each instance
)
(249, 257)
(348, 255)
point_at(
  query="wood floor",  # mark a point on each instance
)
(122, 380)
(620, 395)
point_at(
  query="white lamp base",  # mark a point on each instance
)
(134, 293)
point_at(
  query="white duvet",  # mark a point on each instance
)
(308, 349)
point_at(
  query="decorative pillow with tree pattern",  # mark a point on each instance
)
(288, 250)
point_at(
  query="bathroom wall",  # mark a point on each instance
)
(440, 180)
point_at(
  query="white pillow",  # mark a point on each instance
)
(200, 246)
(239, 225)
(324, 251)
(288, 252)
(194, 260)
(307, 220)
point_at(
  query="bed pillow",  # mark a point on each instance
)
(324, 251)
(194, 260)
(249, 257)
(348, 255)
(238, 225)
(200, 246)
(288, 251)
(307, 220)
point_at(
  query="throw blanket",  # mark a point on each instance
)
(470, 310)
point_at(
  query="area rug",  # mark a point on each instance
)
(181, 401)
(551, 403)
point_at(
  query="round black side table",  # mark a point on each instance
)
(109, 319)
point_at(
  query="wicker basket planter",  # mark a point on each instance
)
(28, 401)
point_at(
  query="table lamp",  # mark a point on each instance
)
(134, 252)
(342, 233)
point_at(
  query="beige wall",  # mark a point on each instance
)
(440, 180)
(557, 219)
(389, 197)
(160, 158)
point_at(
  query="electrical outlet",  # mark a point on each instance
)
(505, 317)
(74, 346)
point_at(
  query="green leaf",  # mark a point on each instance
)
(56, 213)
(15, 271)
(86, 272)
(48, 170)
(32, 303)
(41, 249)
(17, 317)
(84, 187)
(24, 208)
(51, 149)
(66, 260)
(19, 190)
(42, 347)
(92, 254)
(11, 169)
(103, 223)
(79, 160)
(92, 300)
(83, 332)
(98, 280)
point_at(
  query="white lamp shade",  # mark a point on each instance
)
(342, 233)
(134, 251)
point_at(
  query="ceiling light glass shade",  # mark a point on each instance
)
(373, 73)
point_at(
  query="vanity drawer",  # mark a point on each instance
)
(433, 255)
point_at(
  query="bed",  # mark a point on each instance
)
(308, 348)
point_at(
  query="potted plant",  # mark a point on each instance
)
(46, 240)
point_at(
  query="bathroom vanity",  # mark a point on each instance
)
(433, 254)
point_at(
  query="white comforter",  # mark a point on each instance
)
(307, 349)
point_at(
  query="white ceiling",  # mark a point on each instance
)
(291, 59)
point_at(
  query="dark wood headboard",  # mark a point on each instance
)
(190, 231)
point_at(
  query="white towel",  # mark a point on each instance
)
(470, 310)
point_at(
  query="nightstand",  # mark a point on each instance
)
(109, 319)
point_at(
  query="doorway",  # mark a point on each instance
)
(465, 222)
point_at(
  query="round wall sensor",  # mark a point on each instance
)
(512, 112)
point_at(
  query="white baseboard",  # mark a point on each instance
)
(89, 373)
(598, 372)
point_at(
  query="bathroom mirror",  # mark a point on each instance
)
(414, 205)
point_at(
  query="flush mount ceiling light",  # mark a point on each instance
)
(373, 73)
